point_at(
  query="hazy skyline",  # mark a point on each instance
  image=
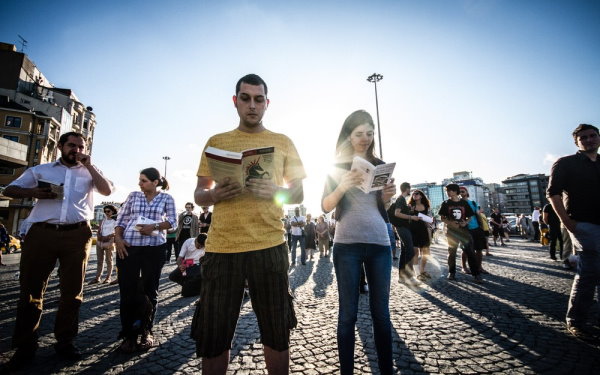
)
(491, 87)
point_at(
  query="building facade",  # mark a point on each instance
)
(524, 192)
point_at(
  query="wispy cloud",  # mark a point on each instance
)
(549, 158)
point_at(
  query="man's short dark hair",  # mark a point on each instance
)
(404, 186)
(583, 127)
(251, 79)
(63, 138)
(453, 187)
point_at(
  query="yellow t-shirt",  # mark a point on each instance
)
(247, 223)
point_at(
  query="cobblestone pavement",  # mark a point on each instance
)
(512, 324)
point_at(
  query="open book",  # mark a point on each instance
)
(240, 166)
(374, 177)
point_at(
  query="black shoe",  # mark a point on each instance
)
(22, 356)
(67, 351)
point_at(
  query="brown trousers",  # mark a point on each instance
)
(41, 249)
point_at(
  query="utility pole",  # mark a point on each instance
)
(374, 78)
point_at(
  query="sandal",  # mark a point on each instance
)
(146, 342)
(128, 346)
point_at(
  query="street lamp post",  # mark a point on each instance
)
(376, 78)
(166, 159)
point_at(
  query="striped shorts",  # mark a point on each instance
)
(223, 279)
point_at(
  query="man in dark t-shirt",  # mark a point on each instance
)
(455, 213)
(553, 222)
(205, 219)
(401, 220)
(574, 192)
(187, 226)
(497, 230)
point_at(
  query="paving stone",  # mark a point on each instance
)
(511, 324)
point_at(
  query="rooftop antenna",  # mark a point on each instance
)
(23, 42)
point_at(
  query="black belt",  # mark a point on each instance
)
(62, 226)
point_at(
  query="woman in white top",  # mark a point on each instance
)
(105, 244)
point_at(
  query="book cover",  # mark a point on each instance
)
(374, 177)
(240, 166)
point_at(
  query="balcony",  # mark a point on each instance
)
(12, 154)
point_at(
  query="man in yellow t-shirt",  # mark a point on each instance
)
(246, 240)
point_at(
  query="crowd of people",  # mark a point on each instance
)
(223, 253)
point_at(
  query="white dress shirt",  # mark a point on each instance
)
(77, 203)
(297, 231)
(189, 251)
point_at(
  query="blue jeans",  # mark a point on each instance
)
(407, 252)
(392, 238)
(348, 259)
(586, 239)
(295, 240)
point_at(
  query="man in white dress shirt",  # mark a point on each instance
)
(187, 274)
(59, 231)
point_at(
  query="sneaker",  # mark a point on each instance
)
(503, 245)
(451, 277)
(67, 351)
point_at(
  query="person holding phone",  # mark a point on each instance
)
(59, 230)
(187, 273)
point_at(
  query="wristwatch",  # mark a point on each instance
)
(157, 226)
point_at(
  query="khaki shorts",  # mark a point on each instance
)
(223, 280)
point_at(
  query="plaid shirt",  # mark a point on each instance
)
(161, 208)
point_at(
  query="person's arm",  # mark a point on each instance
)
(207, 195)
(403, 206)
(103, 185)
(26, 187)
(348, 180)
(559, 207)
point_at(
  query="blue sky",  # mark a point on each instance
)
(492, 87)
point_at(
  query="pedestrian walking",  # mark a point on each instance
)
(455, 213)
(354, 249)
(105, 244)
(574, 192)
(322, 230)
(420, 232)
(59, 230)
(401, 217)
(140, 240)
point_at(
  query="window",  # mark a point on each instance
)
(13, 122)
(5, 171)
(14, 138)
